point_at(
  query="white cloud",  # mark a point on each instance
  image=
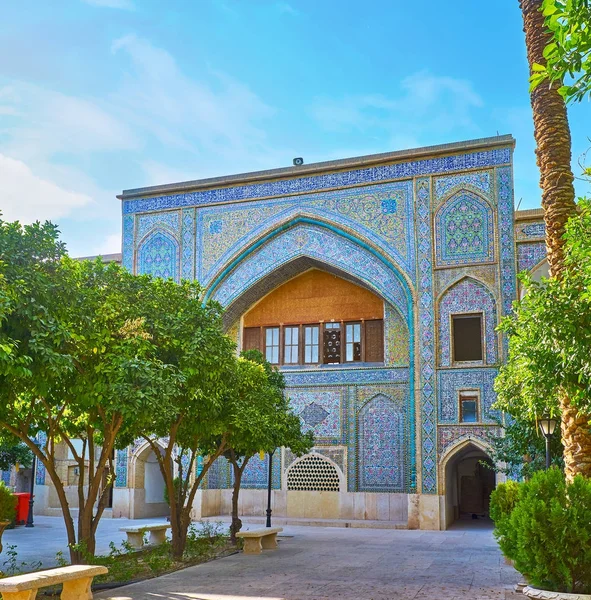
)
(48, 122)
(121, 4)
(27, 197)
(220, 116)
(425, 104)
(110, 245)
(65, 154)
(285, 7)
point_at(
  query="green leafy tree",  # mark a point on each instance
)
(568, 52)
(193, 421)
(13, 452)
(77, 364)
(550, 346)
(261, 421)
(521, 449)
(553, 152)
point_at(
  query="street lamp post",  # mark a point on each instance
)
(547, 425)
(29, 522)
(269, 489)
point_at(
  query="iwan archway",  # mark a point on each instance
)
(309, 284)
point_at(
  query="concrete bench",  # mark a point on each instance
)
(76, 580)
(257, 540)
(135, 535)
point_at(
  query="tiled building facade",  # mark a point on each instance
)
(433, 235)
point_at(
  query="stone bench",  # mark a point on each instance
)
(257, 540)
(135, 535)
(76, 580)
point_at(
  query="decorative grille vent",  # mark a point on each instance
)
(313, 474)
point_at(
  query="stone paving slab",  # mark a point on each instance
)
(348, 564)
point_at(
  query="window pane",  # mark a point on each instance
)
(349, 352)
(468, 408)
(467, 337)
(311, 343)
(272, 344)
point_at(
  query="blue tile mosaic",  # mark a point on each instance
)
(467, 296)
(188, 239)
(464, 231)
(159, 255)
(226, 231)
(529, 255)
(40, 474)
(128, 242)
(169, 221)
(381, 446)
(320, 243)
(121, 468)
(311, 404)
(479, 182)
(330, 376)
(428, 166)
(426, 336)
(451, 382)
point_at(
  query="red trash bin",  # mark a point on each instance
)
(22, 507)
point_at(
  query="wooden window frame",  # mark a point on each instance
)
(265, 328)
(298, 328)
(469, 395)
(480, 361)
(361, 341)
(319, 326)
(322, 327)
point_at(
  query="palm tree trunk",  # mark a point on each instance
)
(553, 154)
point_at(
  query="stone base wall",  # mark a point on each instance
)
(415, 510)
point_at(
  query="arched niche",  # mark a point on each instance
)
(158, 255)
(381, 446)
(464, 230)
(467, 296)
(147, 483)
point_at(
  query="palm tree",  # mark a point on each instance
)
(553, 153)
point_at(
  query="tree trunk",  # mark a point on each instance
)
(553, 153)
(236, 524)
(553, 141)
(86, 538)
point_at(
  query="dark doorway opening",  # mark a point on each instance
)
(469, 481)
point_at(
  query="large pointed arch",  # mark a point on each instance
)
(304, 243)
(291, 215)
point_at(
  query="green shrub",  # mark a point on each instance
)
(548, 531)
(502, 502)
(7, 504)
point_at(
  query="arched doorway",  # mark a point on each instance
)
(469, 481)
(148, 485)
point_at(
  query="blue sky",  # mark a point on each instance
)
(97, 96)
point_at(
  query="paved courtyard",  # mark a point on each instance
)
(326, 563)
(313, 562)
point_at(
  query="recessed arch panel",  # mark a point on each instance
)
(464, 230)
(381, 446)
(158, 255)
(467, 296)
